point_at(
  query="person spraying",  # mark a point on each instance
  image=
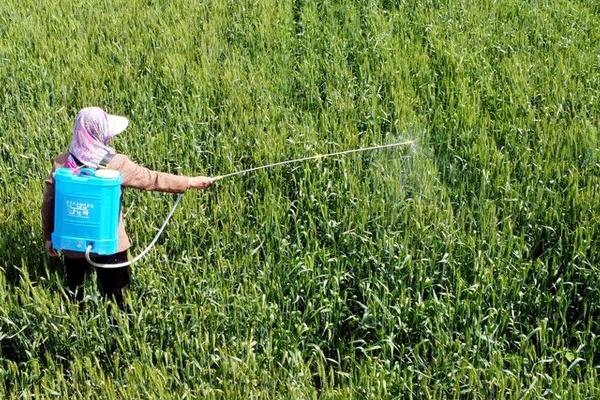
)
(93, 131)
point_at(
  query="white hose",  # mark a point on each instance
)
(216, 178)
(315, 157)
(143, 253)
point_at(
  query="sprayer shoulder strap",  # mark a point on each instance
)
(105, 160)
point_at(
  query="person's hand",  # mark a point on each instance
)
(201, 182)
(50, 250)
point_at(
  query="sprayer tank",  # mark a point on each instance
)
(86, 210)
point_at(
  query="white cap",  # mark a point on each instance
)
(116, 124)
(107, 173)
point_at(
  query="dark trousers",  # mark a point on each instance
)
(111, 281)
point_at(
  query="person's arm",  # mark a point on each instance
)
(139, 177)
(48, 215)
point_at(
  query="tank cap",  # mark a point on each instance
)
(107, 173)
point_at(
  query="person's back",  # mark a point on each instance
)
(93, 131)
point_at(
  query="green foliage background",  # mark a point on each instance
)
(465, 266)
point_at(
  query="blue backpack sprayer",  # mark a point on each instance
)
(88, 202)
(86, 209)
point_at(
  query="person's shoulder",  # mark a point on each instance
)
(118, 161)
(60, 160)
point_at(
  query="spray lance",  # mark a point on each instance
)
(81, 209)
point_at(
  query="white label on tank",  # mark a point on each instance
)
(79, 209)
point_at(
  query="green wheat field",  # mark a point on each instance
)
(464, 266)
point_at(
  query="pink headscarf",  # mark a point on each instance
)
(93, 130)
